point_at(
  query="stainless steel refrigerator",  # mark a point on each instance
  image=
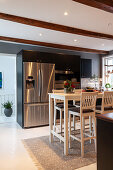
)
(38, 82)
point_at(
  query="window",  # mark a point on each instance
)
(108, 71)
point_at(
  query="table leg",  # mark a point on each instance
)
(65, 127)
(50, 118)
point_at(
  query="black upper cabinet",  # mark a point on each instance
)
(86, 68)
(61, 61)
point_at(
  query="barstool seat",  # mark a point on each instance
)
(61, 105)
(77, 109)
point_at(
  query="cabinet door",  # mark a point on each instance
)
(86, 68)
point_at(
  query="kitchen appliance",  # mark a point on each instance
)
(38, 80)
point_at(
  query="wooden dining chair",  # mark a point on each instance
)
(107, 103)
(86, 109)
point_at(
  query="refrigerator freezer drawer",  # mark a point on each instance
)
(36, 114)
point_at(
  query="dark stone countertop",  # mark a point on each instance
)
(106, 117)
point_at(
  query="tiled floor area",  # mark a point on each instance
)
(4, 119)
(13, 155)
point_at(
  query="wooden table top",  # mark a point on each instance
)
(72, 94)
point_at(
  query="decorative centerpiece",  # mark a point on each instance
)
(8, 108)
(107, 85)
(68, 86)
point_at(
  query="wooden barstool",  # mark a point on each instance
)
(107, 103)
(59, 105)
(86, 109)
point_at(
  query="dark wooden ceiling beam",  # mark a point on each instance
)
(106, 5)
(51, 45)
(56, 27)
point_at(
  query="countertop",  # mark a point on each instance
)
(106, 117)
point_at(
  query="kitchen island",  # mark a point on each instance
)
(105, 141)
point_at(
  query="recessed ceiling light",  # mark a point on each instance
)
(75, 40)
(65, 13)
(102, 44)
(40, 34)
(109, 24)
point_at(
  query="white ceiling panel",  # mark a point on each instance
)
(17, 30)
(80, 16)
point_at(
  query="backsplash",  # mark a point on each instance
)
(87, 82)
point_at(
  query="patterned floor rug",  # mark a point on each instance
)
(50, 156)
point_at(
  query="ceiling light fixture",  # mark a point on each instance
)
(65, 13)
(109, 24)
(40, 34)
(102, 44)
(75, 40)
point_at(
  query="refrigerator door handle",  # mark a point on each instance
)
(39, 82)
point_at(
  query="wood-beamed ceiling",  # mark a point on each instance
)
(45, 44)
(106, 5)
(55, 27)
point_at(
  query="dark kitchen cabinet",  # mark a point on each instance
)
(61, 61)
(105, 141)
(86, 68)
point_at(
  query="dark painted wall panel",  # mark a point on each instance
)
(20, 117)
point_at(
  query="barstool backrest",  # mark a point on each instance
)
(88, 100)
(108, 99)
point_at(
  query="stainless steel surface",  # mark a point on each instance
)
(64, 72)
(36, 114)
(47, 80)
(38, 82)
(31, 94)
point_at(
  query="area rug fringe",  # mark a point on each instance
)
(37, 164)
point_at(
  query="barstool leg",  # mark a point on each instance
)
(69, 130)
(83, 124)
(61, 123)
(94, 127)
(90, 126)
(54, 119)
(73, 122)
(82, 137)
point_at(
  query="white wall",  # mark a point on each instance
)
(8, 91)
(8, 68)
